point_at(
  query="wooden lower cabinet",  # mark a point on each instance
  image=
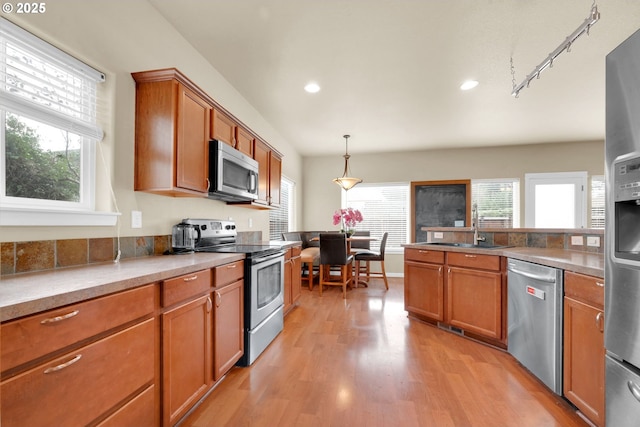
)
(471, 296)
(187, 358)
(474, 301)
(292, 277)
(424, 289)
(139, 412)
(86, 383)
(228, 327)
(584, 353)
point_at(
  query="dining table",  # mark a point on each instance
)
(349, 240)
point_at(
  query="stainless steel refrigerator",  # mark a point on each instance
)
(622, 235)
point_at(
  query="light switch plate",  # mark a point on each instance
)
(438, 234)
(136, 219)
(577, 240)
(593, 241)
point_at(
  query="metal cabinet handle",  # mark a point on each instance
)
(191, 279)
(232, 266)
(209, 304)
(599, 317)
(218, 299)
(423, 252)
(600, 284)
(208, 184)
(63, 365)
(59, 318)
(634, 389)
(470, 256)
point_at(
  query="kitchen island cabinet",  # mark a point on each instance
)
(424, 283)
(475, 294)
(172, 135)
(584, 353)
(470, 298)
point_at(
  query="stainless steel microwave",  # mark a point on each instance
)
(233, 176)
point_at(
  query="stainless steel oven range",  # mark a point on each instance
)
(263, 282)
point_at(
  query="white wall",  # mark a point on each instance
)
(119, 37)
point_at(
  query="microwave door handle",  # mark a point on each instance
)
(252, 181)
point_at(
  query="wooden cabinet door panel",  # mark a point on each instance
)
(186, 357)
(261, 154)
(480, 261)
(424, 289)
(296, 278)
(474, 301)
(78, 387)
(228, 327)
(35, 336)
(584, 358)
(223, 129)
(192, 145)
(424, 255)
(587, 289)
(275, 174)
(244, 141)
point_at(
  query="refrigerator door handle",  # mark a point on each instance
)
(634, 389)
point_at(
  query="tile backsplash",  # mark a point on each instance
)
(24, 257)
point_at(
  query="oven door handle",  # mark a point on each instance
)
(267, 257)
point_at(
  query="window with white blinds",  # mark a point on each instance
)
(281, 219)
(385, 208)
(597, 201)
(48, 109)
(498, 202)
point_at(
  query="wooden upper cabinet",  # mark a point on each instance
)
(172, 135)
(270, 171)
(223, 127)
(244, 141)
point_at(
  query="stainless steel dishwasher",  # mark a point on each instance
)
(535, 319)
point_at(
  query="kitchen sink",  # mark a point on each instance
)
(464, 245)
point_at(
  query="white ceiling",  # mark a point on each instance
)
(390, 70)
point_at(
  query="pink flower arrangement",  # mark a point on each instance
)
(348, 217)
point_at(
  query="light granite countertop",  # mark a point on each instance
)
(579, 262)
(29, 293)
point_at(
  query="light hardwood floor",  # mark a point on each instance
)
(363, 362)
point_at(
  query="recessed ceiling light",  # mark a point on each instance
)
(312, 87)
(469, 84)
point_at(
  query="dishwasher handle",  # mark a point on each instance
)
(533, 275)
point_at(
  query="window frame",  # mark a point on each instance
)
(19, 211)
(390, 249)
(515, 182)
(578, 178)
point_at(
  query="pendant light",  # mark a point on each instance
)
(345, 181)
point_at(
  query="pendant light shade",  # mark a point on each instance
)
(347, 182)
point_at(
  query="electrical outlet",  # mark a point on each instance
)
(438, 234)
(136, 219)
(593, 241)
(577, 240)
(250, 222)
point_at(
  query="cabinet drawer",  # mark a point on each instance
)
(78, 387)
(228, 273)
(424, 255)
(484, 262)
(138, 412)
(35, 336)
(181, 288)
(584, 288)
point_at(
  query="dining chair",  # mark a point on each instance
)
(369, 256)
(309, 257)
(333, 253)
(359, 246)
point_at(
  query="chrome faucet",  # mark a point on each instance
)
(474, 225)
